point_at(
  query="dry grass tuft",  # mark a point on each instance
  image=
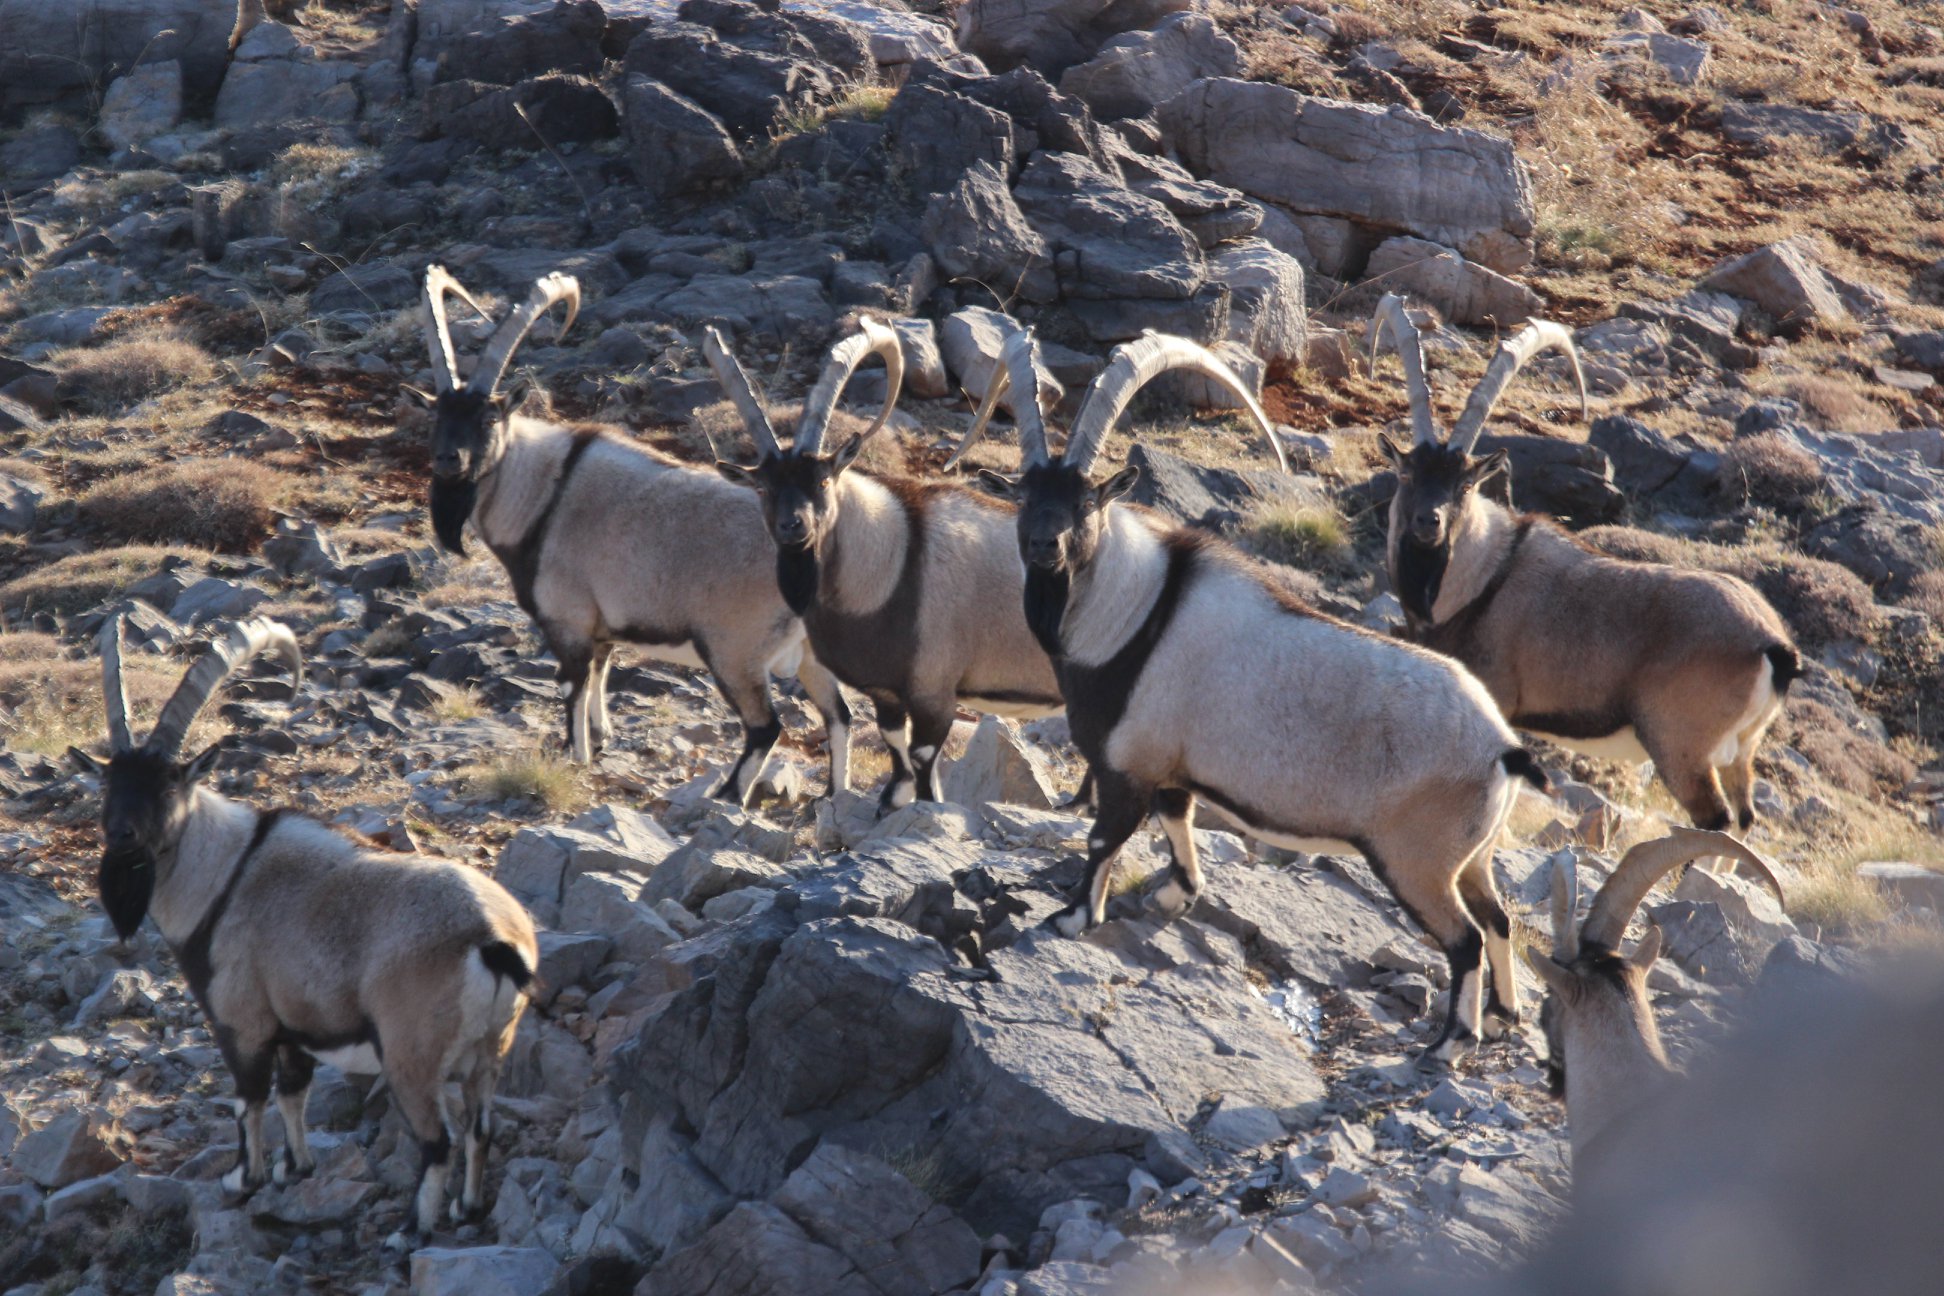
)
(225, 504)
(77, 583)
(49, 702)
(1854, 762)
(1837, 404)
(1773, 470)
(541, 777)
(108, 378)
(1313, 537)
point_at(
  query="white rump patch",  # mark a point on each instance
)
(785, 663)
(1621, 745)
(352, 1059)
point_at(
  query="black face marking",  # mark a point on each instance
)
(1419, 576)
(796, 576)
(451, 504)
(1434, 483)
(798, 492)
(144, 806)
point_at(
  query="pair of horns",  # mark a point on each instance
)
(813, 425)
(1132, 366)
(245, 640)
(491, 366)
(1513, 354)
(1638, 871)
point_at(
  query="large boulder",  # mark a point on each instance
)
(674, 144)
(1107, 240)
(1784, 279)
(1463, 292)
(552, 109)
(55, 49)
(276, 80)
(143, 104)
(1387, 169)
(976, 231)
(1137, 70)
(753, 92)
(565, 38)
(971, 340)
(1051, 35)
(1267, 313)
(933, 135)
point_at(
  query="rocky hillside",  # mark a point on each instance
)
(793, 1048)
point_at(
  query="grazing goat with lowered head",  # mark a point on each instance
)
(607, 542)
(1189, 673)
(908, 590)
(300, 944)
(1604, 1051)
(1618, 659)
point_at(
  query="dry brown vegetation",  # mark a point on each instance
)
(1770, 470)
(112, 377)
(77, 583)
(222, 504)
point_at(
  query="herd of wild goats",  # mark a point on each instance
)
(1184, 672)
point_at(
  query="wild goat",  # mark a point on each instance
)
(1604, 1051)
(905, 588)
(1624, 660)
(1188, 673)
(607, 542)
(299, 944)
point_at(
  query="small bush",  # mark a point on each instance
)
(1837, 405)
(110, 378)
(541, 777)
(224, 504)
(1313, 537)
(1855, 762)
(79, 582)
(1770, 469)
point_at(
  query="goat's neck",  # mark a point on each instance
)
(189, 879)
(1609, 1073)
(864, 557)
(515, 490)
(1480, 541)
(1112, 595)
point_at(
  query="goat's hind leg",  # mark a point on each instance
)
(749, 695)
(294, 1069)
(1429, 892)
(1480, 894)
(1176, 808)
(478, 1088)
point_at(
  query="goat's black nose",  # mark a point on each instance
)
(792, 529)
(446, 465)
(1042, 552)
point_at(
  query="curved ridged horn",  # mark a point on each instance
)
(871, 339)
(245, 640)
(438, 332)
(1134, 365)
(1513, 355)
(1390, 313)
(1018, 368)
(506, 339)
(114, 693)
(1647, 864)
(729, 372)
(1565, 907)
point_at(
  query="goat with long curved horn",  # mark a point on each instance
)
(1604, 1052)
(299, 943)
(898, 582)
(1189, 673)
(439, 284)
(1391, 314)
(871, 339)
(1018, 370)
(607, 542)
(1622, 660)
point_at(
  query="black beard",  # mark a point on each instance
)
(796, 576)
(126, 881)
(1046, 603)
(452, 504)
(1420, 575)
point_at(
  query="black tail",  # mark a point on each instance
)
(1520, 763)
(502, 960)
(1786, 665)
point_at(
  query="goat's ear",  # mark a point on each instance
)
(1119, 484)
(737, 474)
(846, 455)
(1483, 470)
(1392, 451)
(82, 762)
(1647, 951)
(1557, 977)
(514, 398)
(997, 483)
(202, 763)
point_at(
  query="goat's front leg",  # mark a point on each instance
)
(931, 725)
(1123, 805)
(252, 1067)
(294, 1069)
(1176, 807)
